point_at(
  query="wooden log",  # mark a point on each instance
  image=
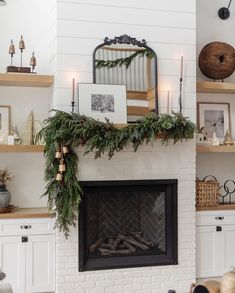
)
(116, 243)
(133, 241)
(143, 240)
(108, 252)
(94, 246)
(106, 245)
(129, 246)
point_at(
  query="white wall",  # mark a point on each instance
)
(169, 28)
(211, 28)
(31, 19)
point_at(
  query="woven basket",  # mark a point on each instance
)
(207, 192)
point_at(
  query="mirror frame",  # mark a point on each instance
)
(125, 39)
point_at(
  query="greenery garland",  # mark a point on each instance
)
(122, 61)
(72, 130)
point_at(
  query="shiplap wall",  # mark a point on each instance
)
(167, 26)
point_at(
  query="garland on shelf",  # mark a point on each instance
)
(123, 61)
(64, 131)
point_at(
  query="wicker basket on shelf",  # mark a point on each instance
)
(207, 192)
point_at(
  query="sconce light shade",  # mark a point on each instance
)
(3, 3)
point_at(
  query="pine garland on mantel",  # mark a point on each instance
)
(71, 130)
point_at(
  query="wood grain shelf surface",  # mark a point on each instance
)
(20, 213)
(215, 87)
(207, 148)
(27, 80)
(21, 148)
(219, 207)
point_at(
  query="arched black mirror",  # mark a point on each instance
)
(125, 60)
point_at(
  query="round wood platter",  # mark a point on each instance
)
(217, 60)
(7, 209)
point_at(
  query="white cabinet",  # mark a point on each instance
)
(27, 254)
(215, 243)
(12, 261)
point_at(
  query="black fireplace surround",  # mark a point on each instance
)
(127, 223)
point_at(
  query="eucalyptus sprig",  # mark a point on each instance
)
(98, 137)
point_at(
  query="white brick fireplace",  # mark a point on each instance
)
(149, 162)
(169, 28)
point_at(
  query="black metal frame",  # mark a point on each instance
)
(171, 256)
(125, 39)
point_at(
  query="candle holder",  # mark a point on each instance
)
(73, 106)
(19, 69)
(181, 84)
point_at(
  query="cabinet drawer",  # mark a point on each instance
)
(215, 218)
(26, 227)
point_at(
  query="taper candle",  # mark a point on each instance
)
(73, 89)
(181, 66)
(168, 101)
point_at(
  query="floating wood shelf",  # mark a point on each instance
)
(207, 148)
(21, 148)
(215, 87)
(23, 79)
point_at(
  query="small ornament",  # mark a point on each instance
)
(21, 43)
(65, 150)
(33, 62)
(214, 140)
(58, 177)
(58, 154)
(16, 134)
(228, 139)
(12, 51)
(21, 47)
(62, 166)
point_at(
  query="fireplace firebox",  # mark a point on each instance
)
(128, 224)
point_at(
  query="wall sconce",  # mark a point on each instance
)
(224, 12)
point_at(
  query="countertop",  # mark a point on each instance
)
(20, 213)
(220, 207)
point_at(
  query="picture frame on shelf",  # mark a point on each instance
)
(214, 117)
(5, 123)
(103, 101)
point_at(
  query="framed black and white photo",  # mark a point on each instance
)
(101, 101)
(4, 123)
(214, 117)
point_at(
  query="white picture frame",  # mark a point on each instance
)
(103, 101)
(214, 117)
(5, 120)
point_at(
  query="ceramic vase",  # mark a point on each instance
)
(5, 197)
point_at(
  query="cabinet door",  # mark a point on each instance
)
(12, 262)
(40, 263)
(210, 252)
(229, 232)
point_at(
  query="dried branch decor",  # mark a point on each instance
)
(64, 131)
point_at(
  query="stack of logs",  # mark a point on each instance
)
(122, 244)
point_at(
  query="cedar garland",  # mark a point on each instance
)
(72, 130)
